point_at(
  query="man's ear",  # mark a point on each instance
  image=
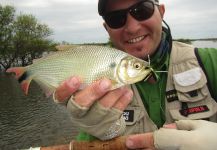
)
(105, 26)
(161, 10)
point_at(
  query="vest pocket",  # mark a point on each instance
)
(194, 90)
(194, 94)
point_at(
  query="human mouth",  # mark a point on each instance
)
(136, 40)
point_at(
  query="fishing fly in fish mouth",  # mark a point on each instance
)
(91, 63)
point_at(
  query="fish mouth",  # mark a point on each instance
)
(144, 76)
(137, 39)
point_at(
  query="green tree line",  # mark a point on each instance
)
(22, 38)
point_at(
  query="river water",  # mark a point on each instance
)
(33, 120)
(205, 44)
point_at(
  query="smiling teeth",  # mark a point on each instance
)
(136, 39)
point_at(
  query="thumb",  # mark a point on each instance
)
(141, 141)
(169, 139)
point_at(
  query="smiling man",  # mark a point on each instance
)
(179, 90)
(128, 32)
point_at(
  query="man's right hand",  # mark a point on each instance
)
(96, 106)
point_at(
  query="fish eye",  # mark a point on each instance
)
(137, 65)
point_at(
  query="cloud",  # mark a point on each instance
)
(71, 20)
(191, 19)
(77, 21)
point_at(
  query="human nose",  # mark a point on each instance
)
(132, 25)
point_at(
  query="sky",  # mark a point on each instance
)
(77, 21)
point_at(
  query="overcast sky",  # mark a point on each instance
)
(77, 21)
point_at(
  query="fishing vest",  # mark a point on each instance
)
(187, 94)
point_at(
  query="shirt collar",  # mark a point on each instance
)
(159, 61)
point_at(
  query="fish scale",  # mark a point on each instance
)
(77, 57)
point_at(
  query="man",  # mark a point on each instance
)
(178, 91)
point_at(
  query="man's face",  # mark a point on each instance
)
(138, 38)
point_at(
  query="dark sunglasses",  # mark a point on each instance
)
(140, 11)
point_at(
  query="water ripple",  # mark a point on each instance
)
(33, 120)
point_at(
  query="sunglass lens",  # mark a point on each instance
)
(115, 19)
(140, 11)
(143, 11)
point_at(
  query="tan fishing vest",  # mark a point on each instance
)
(187, 94)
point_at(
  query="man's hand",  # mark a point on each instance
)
(96, 106)
(189, 135)
(98, 91)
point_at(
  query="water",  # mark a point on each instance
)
(33, 120)
(205, 44)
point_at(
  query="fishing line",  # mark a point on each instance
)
(149, 63)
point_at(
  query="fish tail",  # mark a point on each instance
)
(18, 71)
(22, 76)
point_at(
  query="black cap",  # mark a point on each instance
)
(102, 6)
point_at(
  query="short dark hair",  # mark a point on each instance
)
(102, 5)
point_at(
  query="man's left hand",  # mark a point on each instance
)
(189, 135)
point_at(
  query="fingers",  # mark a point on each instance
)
(170, 126)
(67, 88)
(124, 100)
(187, 124)
(118, 98)
(184, 124)
(140, 141)
(100, 91)
(92, 93)
(97, 91)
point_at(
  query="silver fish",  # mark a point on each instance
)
(90, 63)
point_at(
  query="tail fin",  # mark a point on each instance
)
(19, 71)
(22, 76)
